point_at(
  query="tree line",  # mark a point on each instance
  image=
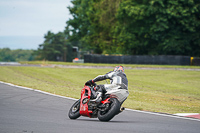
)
(8, 55)
(129, 27)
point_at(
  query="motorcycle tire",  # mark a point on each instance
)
(74, 110)
(114, 107)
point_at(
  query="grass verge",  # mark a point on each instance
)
(46, 63)
(167, 91)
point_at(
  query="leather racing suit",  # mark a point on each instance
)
(118, 85)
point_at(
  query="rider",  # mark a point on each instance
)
(118, 81)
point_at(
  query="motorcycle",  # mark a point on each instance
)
(109, 106)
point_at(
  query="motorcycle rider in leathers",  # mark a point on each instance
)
(118, 80)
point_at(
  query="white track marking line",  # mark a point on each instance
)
(186, 114)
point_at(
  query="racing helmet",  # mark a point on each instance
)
(119, 69)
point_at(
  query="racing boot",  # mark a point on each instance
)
(100, 90)
(98, 98)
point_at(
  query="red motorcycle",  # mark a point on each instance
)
(104, 111)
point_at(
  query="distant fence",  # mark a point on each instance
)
(195, 61)
(138, 59)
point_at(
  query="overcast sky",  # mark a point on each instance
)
(23, 23)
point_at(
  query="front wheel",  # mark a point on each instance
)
(74, 110)
(108, 114)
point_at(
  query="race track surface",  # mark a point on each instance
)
(29, 111)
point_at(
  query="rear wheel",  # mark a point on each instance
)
(112, 109)
(74, 110)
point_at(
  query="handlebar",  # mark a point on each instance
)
(94, 84)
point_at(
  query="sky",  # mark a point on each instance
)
(23, 23)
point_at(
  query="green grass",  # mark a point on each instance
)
(46, 63)
(167, 91)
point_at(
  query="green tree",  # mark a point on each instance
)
(102, 17)
(78, 27)
(159, 27)
(55, 48)
(6, 55)
(51, 49)
(92, 24)
(16, 55)
(132, 27)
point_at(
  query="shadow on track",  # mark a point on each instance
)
(96, 120)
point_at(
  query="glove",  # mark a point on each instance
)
(89, 83)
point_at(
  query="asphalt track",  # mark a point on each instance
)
(30, 111)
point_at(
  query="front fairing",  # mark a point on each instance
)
(85, 98)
